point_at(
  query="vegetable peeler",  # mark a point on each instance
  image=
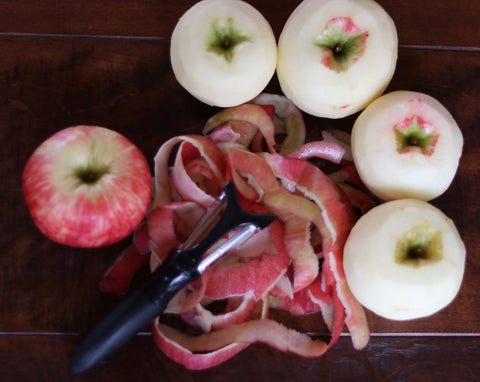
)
(182, 266)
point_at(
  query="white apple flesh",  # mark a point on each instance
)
(404, 259)
(336, 56)
(223, 52)
(87, 186)
(406, 145)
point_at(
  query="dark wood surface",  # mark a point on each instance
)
(107, 63)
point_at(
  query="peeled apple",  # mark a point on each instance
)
(404, 259)
(406, 144)
(223, 52)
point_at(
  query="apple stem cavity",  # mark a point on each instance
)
(91, 173)
(342, 43)
(414, 134)
(224, 37)
(418, 246)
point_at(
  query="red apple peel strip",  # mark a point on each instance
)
(118, 277)
(334, 222)
(201, 317)
(258, 116)
(208, 150)
(322, 149)
(223, 344)
(339, 219)
(288, 119)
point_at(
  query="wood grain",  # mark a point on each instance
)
(440, 23)
(68, 63)
(46, 358)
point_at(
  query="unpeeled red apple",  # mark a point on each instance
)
(406, 145)
(223, 52)
(404, 259)
(336, 56)
(87, 186)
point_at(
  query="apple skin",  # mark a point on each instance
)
(319, 90)
(208, 76)
(93, 212)
(400, 291)
(390, 174)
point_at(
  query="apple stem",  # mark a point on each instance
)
(226, 43)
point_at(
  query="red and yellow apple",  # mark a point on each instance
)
(87, 186)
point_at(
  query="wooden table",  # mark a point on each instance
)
(106, 63)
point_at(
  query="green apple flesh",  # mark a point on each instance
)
(406, 145)
(336, 56)
(404, 259)
(223, 52)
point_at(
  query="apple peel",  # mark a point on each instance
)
(199, 316)
(287, 119)
(255, 115)
(216, 347)
(295, 264)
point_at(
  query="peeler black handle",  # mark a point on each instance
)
(136, 311)
(181, 267)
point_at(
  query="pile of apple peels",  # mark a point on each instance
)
(294, 265)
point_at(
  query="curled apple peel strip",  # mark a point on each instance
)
(201, 317)
(209, 151)
(286, 271)
(253, 116)
(117, 278)
(210, 349)
(288, 120)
